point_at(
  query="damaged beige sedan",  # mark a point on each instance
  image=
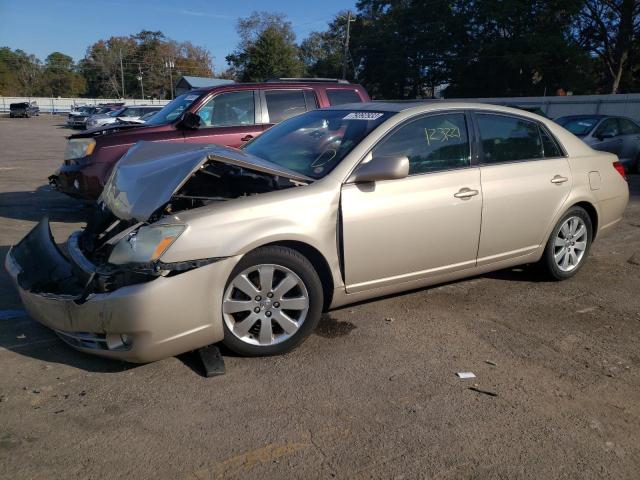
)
(192, 245)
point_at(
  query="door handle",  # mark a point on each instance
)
(466, 193)
(558, 179)
(246, 138)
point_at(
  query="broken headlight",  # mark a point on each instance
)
(145, 245)
(79, 147)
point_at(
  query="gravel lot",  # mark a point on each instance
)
(373, 394)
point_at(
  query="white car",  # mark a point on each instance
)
(125, 114)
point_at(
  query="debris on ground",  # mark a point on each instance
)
(389, 319)
(634, 259)
(212, 361)
(465, 375)
(586, 310)
(491, 362)
(484, 392)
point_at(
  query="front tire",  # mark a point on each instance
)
(568, 245)
(272, 302)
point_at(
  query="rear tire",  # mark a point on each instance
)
(568, 245)
(272, 301)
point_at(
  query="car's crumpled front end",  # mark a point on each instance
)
(112, 294)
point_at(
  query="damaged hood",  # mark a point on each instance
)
(150, 173)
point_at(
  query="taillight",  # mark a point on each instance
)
(620, 168)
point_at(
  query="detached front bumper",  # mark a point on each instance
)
(138, 323)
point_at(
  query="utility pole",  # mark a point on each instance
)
(121, 73)
(140, 78)
(169, 64)
(345, 54)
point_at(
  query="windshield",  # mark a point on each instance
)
(173, 109)
(315, 142)
(578, 126)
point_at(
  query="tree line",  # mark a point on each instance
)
(397, 49)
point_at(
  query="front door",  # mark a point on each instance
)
(525, 182)
(228, 119)
(423, 225)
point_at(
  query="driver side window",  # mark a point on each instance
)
(432, 143)
(228, 110)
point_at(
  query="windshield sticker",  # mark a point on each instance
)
(363, 116)
(191, 97)
(443, 134)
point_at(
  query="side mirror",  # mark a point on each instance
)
(381, 168)
(190, 121)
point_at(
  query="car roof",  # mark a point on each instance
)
(275, 85)
(595, 115)
(429, 105)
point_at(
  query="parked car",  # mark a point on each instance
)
(618, 135)
(144, 118)
(122, 115)
(227, 115)
(195, 244)
(78, 116)
(24, 109)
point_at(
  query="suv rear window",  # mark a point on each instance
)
(342, 96)
(283, 104)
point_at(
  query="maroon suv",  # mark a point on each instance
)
(227, 115)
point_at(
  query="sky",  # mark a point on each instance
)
(44, 26)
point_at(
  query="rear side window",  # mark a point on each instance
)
(342, 96)
(508, 139)
(229, 109)
(432, 143)
(283, 104)
(628, 127)
(608, 128)
(550, 148)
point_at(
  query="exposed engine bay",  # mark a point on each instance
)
(126, 236)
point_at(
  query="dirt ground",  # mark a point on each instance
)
(373, 394)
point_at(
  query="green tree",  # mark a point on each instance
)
(521, 47)
(610, 29)
(147, 54)
(322, 52)
(60, 78)
(267, 49)
(20, 72)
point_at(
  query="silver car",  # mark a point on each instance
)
(125, 114)
(618, 135)
(196, 244)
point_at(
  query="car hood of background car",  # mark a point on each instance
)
(150, 173)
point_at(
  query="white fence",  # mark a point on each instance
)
(63, 105)
(626, 105)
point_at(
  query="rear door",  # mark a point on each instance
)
(525, 181)
(423, 225)
(229, 119)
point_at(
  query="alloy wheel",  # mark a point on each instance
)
(570, 244)
(265, 304)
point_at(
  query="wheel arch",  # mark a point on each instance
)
(592, 212)
(318, 261)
